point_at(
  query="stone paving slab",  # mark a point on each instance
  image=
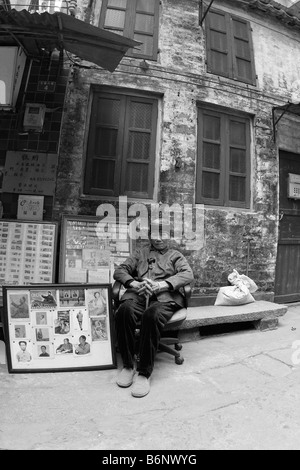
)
(228, 394)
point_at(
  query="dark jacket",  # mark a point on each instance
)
(168, 265)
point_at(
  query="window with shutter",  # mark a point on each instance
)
(223, 165)
(121, 145)
(135, 19)
(229, 47)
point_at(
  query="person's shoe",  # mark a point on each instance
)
(141, 387)
(125, 377)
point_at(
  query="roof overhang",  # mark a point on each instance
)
(36, 32)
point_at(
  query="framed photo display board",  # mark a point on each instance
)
(27, 252)
(61, 327)
(86, 255)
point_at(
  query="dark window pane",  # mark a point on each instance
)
(139, 146)
(218, 41)
(146, 5)
(211, 127)
(140, 115)
(237, 161)
(240, 29)
(237, 133)
(217, 21)
(242, 49)
(136, 177)
(144, 23)
(146, 48)
(210, 185)
(237, 188)
(244, 69)
(117, 3)
(211, 156)
(105, 142)
(115, 19)
(103, 174)
(108, 112)
(219, 63)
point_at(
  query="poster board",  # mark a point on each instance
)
(61, 327)
(27, 252)
(86, 255)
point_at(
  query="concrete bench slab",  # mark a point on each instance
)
(262, 313)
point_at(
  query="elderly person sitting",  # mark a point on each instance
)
(152, 277)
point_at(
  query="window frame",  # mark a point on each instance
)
(231, 52)
(226, 116)
(129, 30)
(127, 97)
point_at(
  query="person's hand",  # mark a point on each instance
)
(142, 287)
(157, 286)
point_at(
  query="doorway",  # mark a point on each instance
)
(287, 273)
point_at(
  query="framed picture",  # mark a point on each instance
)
(27, 252)
(86, 255)
(58, 327)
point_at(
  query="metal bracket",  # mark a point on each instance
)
(285, 110)
(202, 14)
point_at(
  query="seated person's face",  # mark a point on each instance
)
(160, 241)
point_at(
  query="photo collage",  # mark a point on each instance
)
(86, 254)
(57, 325)
(26, 253)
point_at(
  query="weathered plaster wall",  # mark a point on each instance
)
(180, 77)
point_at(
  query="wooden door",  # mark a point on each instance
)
(287, 277)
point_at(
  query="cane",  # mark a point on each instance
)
(150, 261)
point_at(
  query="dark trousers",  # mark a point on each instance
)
(132, 314)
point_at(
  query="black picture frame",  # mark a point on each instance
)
(28, 251)
(86, 255)
(65, 327)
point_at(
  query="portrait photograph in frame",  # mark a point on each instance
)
(57, 337)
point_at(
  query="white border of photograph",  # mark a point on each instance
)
(15, 308)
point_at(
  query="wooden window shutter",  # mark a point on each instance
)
(229, 47)
(121, 146)
(223, 163)
(210, 164)
(104, 145)
(243, 58)
(218, 49)
(238, 162)
(139, 147)
(135, 19)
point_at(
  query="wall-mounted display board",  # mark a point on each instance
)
(27, 252)
(86, 255)
(30, 173)
(61, 327)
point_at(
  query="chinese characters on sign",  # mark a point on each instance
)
(30, 207)
(30, 173)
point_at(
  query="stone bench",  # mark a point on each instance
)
(262, 313)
